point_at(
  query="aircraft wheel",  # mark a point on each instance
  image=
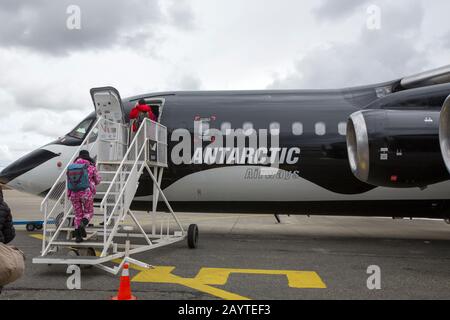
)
(73, 253)
(39, 226)
(90, 252)
(58, 219)
(30, 227)
(192, 236)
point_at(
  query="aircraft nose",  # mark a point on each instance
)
(25, 164)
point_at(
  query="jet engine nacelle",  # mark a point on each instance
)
(396, 148)
(444, 132)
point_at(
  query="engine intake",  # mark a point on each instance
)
(397, 148)
(444, 132)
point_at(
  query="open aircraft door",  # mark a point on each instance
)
(113, 131)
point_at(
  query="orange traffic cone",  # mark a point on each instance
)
(125, 287)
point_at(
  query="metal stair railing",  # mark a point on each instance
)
(130, 158)
(147, 151)
(120, 200)
(137, 158)
(56, 204)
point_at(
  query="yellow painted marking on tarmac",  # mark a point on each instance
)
(207, 277)
(38, 236)
(296, 279)
(164, 275)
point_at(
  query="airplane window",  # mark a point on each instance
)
(204, 128)
(342, 128)
(248, 128)
(321, 129)
(297, 128)
(225, 127)
(275, 128)
(81, 130)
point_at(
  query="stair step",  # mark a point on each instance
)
(111, 193)
(114, 162)
(88, 230)
(109, 162)
(81, 244)
(110, 182)
(95, 215)
(108, 205)
(113, 172)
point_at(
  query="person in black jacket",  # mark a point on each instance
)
(7, 231)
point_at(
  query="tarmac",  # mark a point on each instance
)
(254, 257)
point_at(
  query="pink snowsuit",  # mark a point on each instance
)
(83, 201)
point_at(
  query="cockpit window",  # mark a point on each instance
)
(81, 130)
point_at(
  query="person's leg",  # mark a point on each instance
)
(78, 211)
(88, 208)
(82, 220)
(88, 211)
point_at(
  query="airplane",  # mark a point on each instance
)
(377, 150)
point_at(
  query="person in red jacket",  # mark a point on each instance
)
(139, 112)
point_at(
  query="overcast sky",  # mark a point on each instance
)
(140, 46)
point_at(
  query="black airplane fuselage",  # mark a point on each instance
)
(312, 121)
(323, 159)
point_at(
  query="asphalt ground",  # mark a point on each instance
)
(254, 257)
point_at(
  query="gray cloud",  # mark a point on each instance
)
(180, 13)
(41, 24)
(332, 9)
(188, 82)
(446, 40)
(377, 55)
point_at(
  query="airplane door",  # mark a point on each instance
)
(113, 131)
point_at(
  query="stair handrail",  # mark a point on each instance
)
(63, 172)
(107, 240)
(59, 198)
(135, 140)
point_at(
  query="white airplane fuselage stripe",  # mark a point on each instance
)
(230, 184)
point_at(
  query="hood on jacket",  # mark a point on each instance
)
(83, 161)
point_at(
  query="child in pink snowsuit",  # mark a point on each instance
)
(83, 201)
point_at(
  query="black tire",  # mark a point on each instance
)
(30, 227)
(73, 252)
(58, 219)
(192, 237)
(38, 226)
(91, 252)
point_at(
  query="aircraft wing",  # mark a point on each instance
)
(437, 76)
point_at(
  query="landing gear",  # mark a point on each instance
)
(30, 227)
(277, 217)
(73, 253)
(192, 236)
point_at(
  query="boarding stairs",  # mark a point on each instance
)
(119, 231)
